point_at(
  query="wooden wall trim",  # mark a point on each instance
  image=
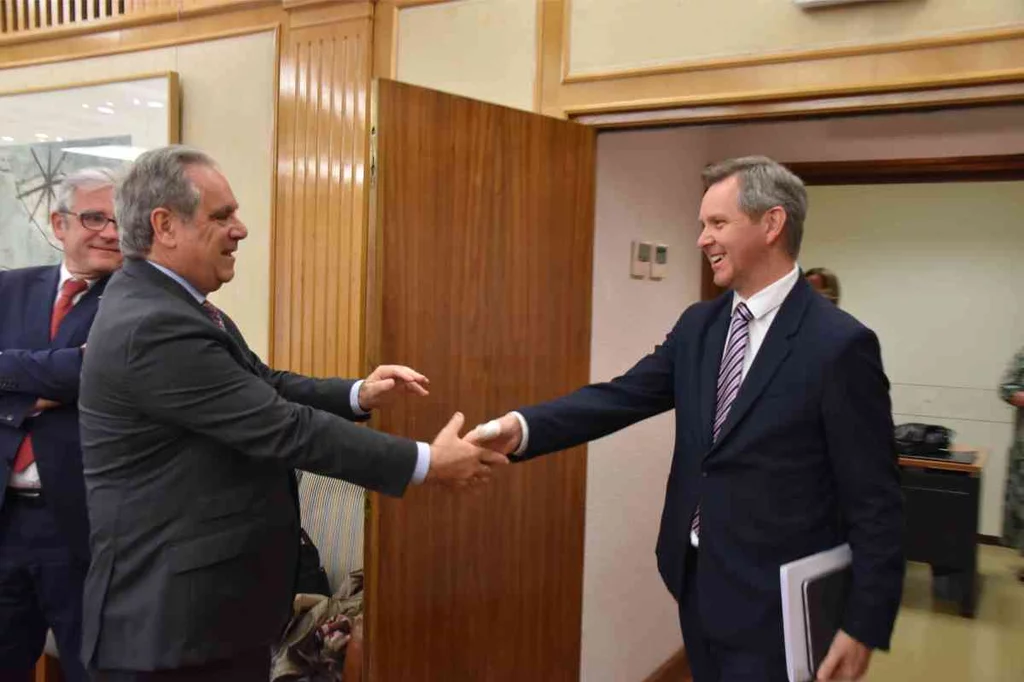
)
(385, 39)
(675, 669)
(890, 171)
(164, 32)
(964, 96)
(150, 14)
(969, 59)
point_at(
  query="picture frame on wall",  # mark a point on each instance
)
(46, 133)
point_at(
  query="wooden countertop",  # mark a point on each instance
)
(930, 463)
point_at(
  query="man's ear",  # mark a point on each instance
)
(59, 225)
(165, 226)
(774, 222)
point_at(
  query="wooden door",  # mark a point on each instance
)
(479, 275)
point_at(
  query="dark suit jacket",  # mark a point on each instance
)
(31, 367)
(805, 461)
(189, 442)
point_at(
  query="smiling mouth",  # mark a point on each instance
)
(716, 259)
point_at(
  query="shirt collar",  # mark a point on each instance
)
(180, 280)
(65, 275)
(769, 298)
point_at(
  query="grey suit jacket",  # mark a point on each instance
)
(188, 443)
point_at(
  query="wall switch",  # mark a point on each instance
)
(659, 262)
(640, 261)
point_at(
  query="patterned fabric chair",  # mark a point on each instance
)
(333, 514)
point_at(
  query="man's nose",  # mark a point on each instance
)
(109, 232)
(703, 239)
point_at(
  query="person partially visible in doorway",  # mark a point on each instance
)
(1012, 391)
(825, 282)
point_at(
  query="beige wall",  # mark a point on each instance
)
(936, 271)
(646, 190)
(609, 35)
(227, 111)
(484, 49)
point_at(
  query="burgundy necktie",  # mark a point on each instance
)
(214, 314)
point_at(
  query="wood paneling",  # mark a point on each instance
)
(134, 33)
(45, 19)
(319, 237)
(675, 669)
(482, 259)
(941, 61)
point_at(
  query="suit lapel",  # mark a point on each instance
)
(774, 349)
(80, 315)
(42, 294)
(711, 358)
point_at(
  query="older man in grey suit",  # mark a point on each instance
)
(189, 441)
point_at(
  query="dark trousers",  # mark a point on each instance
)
(715, 661)
(40, 587)
(253, 666)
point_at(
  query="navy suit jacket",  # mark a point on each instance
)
(31, 367)
(805, 461)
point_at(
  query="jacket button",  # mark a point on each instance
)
(9, 417)
(704, 474)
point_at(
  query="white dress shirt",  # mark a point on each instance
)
(763, 306)
(29, 478)
(422, 449)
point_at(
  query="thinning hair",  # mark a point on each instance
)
(764, 185)
(157, 179)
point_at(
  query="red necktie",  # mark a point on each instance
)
(71, 288)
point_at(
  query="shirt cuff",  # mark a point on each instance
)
(526, 435)
(353, 400)
(422, 463)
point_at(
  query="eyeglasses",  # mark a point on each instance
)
(93, 220)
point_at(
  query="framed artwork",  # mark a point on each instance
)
(47, 133)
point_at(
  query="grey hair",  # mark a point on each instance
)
(157, 179)
(86, 178)
(765, 184)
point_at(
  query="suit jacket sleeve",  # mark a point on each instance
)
(597, 410)
(859, 437)
(51, 374)
(330, 395)
(181, 373)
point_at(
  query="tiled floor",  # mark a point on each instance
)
(932, 643)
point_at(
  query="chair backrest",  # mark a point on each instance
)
(333, 514)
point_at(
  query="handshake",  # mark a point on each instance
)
(471, 460)
(455, 461)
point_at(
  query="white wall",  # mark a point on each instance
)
(645, 190)
(935, 270)
(227, 111)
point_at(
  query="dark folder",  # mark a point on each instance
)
(824, 601)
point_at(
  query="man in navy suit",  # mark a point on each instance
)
(783, 447)
(45, 315)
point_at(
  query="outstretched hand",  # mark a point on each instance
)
(387, 382)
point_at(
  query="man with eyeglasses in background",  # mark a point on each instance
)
(45, 316)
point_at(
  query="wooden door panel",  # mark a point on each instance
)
(481, 247)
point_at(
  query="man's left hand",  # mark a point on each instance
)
(847, 659)
(388, 381)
